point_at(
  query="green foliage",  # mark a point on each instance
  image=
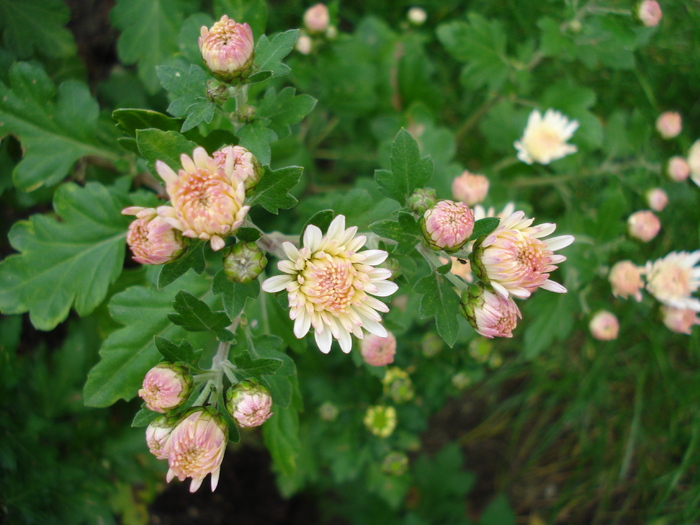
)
(234, 295)
(406, 232)
(166, 146)
(195, 315)
(272, 192)
(269, 53)
(280, 110)
(182, 353)
(189, 91)
(36, 25)
(439, 300)
(193, 258)
(253, 12)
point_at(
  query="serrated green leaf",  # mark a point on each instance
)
(130, 120)
(149, 34)
(253, 12)
(55, 129)
(441, 301)
(484, 226)
(184, 352)
(36, 25)
(143, 418)
(167, 146)
(247, 367)
(192, 258)
(195, 315)
(283, 109)
(234, 295)
(281, 433)
(189, 90)
(129, 352)
(272, 192)
(280, 385)
(257, 137)
(406, 232)
(67, 262)
(322, 219)
(408, 170)
(269, 53)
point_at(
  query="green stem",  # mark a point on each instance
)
(434, 261)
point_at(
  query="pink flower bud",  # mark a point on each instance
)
(604, 326)
(694, 162)
(677, 169)
(447, 225)
(649, 13)
(491, 315)
(304, 44)
(626, 280)
(317, 19)
(158, 436)
(227, 49)
(657, 199)
(165, 387)
(378, 351)
(196, 447)
(469, 188)
(643, 225)
(679, 320)
(669, 124)
(152, 239)
(249, 404)
(245, 166)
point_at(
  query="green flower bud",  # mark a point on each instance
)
(395, 464)
(243, 262)
(422, 199)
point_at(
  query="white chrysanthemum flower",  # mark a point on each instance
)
(544, 139)
(330, 284)
(674, 278)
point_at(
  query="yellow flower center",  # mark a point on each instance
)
(328, 282)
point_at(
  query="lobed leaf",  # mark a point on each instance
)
(195, 315)
(283, 109)
(189, 90)
(272, 192)
(167, 146)
(439, 300)
(183, 353)
(406, 232)
(37, 25)
(192, 258)
(234, 295)
(408, 170)
(269, 53)
(257, 137)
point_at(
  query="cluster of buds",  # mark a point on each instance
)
(317, 28)
(678, 168)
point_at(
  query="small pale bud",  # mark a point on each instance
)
(243, 262)
(626, 280)
(643, 225)
(447, 225)
(422, 199)
(657, 199)
(604, 326)
(158, 436)
(431, 344)
(227, 49)
(669, 124)
(249, 404)
(317, 18)
(677, 169)
(417, 16)
(398, 385)
(395, 464)
(490, 314)
(470, 188)
(694, 162)
(166, 386)
(377, 350)
(328, 411)
(152, 239)
(649, 13)
(331, 32)
(304, 44)
(679, 320)
(380, 420)
(461, 380)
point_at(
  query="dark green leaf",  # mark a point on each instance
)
(406, 232)
(195, 315)
(269, 53)
(280, 384)
(192, 258)
(189, 89)
(253, 12)
(484, 226)
(36, 25)
(184, 352)
(248, 234)
(550, 320)
(439, 300)
(144, 417)
(498, 512)
(281, 433)
(255, 368)
(272, 192)
(322, 219)
(283, 109)
(257, 137)
(408, 170)
(234, 294)
(167, 146)
(130, 120)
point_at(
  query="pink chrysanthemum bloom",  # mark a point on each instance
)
(669, 124)
(158, 437)
(674, 278)
(677, 169)
(544, 138)
(249, 404)
(679, 320)
(207, 202)
(197, 445)
(626, 280)
(330, 284)
(649, 13)
(245, 165)
(379, 351)
(694, 162)
(447, 225)
(227, 48)
(152, 239)
(604, 326)
(643, 225)
(657, 199)
(166, 386)
(515, 260)
(470, 188)
(490, 314)
(316, 18)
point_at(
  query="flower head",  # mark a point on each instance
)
(544, 139)
(152, 239)
(380, 420)
(249, 404)
(244, 262)
(491, 315)
(677, 169)
(679, 320)
(304, 44)
(197, 445)
(227, 48)
(379, 351)
(626, 280)
(470, 188)
(669, 124)
(395, 463)
(246, 166)
(398, 385)
(165, 387)
(604, 326)
(674, 278)
(657, 199)
(316, 18)
(447, 225)
(417, 16)
(158, 436)
(515, 260)
(207, 201)
(649, 13)
(643, 225)
(694, 162)
(331, 283)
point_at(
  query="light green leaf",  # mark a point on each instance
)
(272, 192)
(131, 120)
(408, 170)
(248, 368)
(65, 263)
(182, 353)
(269, 53)
(55, 131)
(484, 226)
(36, 25)
(439, 300)
(283, 109)
(189, 88)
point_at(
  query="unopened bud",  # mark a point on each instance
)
(677, 169)
(669, 124)
(249, 404)
(331, 32)
(395, 464)
(649, 13)
(166, 386)
(304, 44)
(394, 266)
(217, 91)
(328, 411)
(417, 16)
(422, 199)
(377, 350)
(657, 199)
(447, 225)
(490, 314)
(245, 166)
(152, 239)
(679, 320)
(643, 225)
(398, 385)
(470, 188)
(604, 326)
(244, 262)
(626, 280)
(461, 380)
(158, 436)
(380, 420)
(317, 18)
(227, 49)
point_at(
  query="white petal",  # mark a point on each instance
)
(195, 484)
(302, 324)
(385, 288)
(553, 286)
(187, 162)
(276, 283)
(215, 479)
(345, 341)
(217, 243)
(166, 173)
(200, 157)
(323, 340)
(291, 251)
(374, 257)
(336, 228)
(557, 243)
(374, 327)
(312, 237)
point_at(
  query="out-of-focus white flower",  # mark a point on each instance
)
(643, 225)
(604, 326)
(491, 315)
(657, 199)
(447, 225)
(152, 239)
(626, 280)
(677, 169)
(470, 188)
(649, 13)
(516, 261)
(330, 284)
(227, 48)
(674, 278)
(317, 18)
(544, 139)
(379, 351)
(165, 387)
(417, 16)
(669, 124)
(249, 404)
(694, 162)
(304, 44)
(679, 320)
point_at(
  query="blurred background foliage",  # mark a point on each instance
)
(551, 426)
